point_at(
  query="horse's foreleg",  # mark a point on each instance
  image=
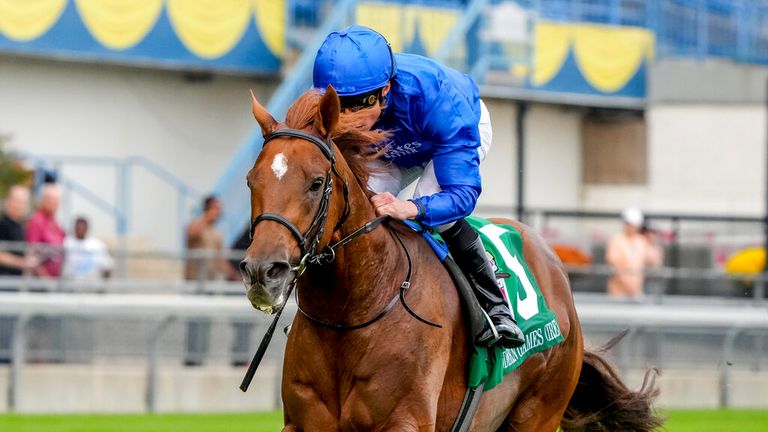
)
(290, 428)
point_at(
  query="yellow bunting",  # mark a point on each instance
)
(609, 57)
(119, 24)
(552, 44)
(397, 23)
(25, 20)
(209, 28)
(386, 19)
(434, 25)
(270, 20)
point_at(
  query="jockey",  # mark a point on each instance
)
(441, 130)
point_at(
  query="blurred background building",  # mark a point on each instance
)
(138, 109)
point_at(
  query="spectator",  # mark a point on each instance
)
(43, 229)
(85, 258)
(204, 238)
(629, 253)
(13, 261)
(46, 236)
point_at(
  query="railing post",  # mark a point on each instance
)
(725, 367)
(122, 209)
(152, 363)
(625, 353)
(520, 131)
(181, 217)
(758, 343)
(18, 357)
(674, 258)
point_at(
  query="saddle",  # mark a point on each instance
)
(488, 366)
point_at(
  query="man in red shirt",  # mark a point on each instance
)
(43, 229)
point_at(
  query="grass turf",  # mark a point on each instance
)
(259, 422)
(678, 421)
(717, 421)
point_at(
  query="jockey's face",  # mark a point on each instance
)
(368, 116)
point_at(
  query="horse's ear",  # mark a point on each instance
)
(263, 117)
(328, 112)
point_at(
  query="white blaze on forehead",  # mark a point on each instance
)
(279, 166)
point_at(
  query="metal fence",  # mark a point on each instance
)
(173, 332)
(106, 334)
(734, 29)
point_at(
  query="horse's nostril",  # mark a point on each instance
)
(277, 270)
(244, 267)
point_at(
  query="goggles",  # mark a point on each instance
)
(358, 102)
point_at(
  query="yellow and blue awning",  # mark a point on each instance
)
(592, 59)
(234, 35)
(582, 58)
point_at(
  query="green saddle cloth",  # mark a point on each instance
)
(504, 244)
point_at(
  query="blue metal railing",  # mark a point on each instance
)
(231, 188)
(734, 29)
(120, 208)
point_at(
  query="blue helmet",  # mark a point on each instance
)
(354, 61)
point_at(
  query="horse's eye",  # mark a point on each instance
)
(316, 185)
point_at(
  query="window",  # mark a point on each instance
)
(614, 148)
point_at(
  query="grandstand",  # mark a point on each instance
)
(597, 105)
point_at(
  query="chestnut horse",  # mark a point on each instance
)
(356, 359)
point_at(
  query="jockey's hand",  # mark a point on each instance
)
(386, 204)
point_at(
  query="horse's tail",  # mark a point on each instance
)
(602, 402)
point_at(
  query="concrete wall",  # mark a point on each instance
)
(192, 129)
(552, 164)
(703, 158)
(706, 81)
(122, 389)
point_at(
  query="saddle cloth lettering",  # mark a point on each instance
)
(504, 245)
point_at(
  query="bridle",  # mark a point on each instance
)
(307, 244)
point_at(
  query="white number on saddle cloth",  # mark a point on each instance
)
(529, 306)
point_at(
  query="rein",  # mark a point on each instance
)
(399, 296)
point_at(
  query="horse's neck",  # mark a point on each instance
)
(364, 275)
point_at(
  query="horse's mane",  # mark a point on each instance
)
(357, 145)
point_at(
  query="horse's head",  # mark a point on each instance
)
(295, 194)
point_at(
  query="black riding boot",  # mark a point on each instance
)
(467, 250)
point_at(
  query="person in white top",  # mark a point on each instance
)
(629, 253)
(86, 258)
